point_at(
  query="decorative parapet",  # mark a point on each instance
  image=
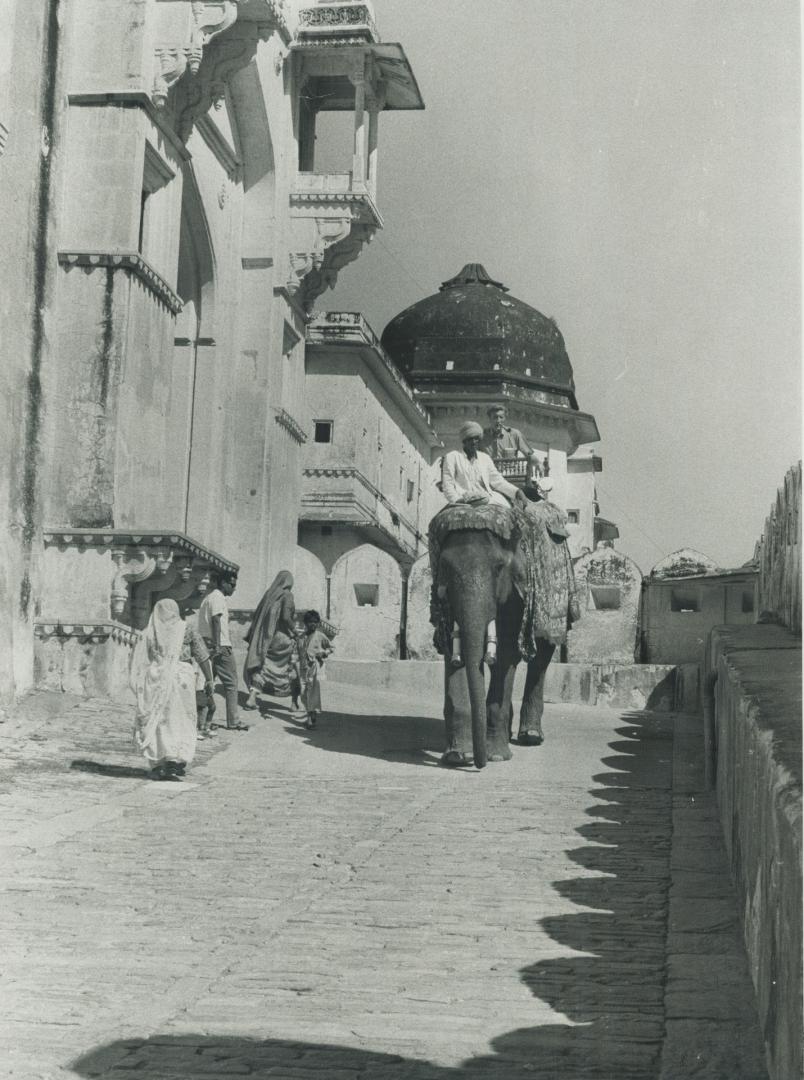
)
(87, 632)
(351, 328)
(133, 263)
(341, 23)
(296, 431)
(139, 565)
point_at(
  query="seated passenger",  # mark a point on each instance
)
(500, 440)
(470, 476)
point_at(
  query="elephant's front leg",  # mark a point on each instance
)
(498, 704)
(530, 716)
(457, 716)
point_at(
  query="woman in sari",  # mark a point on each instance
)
(271, 642)
(163, 679)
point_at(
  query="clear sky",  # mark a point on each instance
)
(632, 168)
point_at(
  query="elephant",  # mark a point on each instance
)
(481, 581)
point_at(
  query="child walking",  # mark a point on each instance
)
(314, 648)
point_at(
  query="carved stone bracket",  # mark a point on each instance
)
(184, 32)
(329, 231)
(146, 564)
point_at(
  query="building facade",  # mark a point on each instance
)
(170, 233)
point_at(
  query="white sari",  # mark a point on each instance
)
(165, 726)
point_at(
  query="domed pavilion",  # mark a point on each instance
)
(472, 345)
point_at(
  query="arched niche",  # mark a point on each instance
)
(366, 604)
(309, 581)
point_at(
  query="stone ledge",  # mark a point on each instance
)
(132, 262)
(86, 631)
(753, 690)
(627, 686)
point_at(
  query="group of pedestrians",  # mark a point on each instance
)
(174, 664)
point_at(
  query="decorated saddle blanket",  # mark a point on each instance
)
(548, 588)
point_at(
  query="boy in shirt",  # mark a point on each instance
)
(213, 626)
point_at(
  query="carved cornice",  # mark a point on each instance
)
(66, 537)
(133, 263)
(296, 431)
(338, 23)
(86, 631)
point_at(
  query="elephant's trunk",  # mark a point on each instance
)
(473, 635)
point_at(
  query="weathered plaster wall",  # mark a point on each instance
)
(30, 142)
(608, 584)
(419, 632)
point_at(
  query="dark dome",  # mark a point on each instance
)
(471, 326)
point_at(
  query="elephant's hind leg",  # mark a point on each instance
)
(530, 716)
(498, 706)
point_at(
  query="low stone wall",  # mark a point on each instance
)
(753, 692)
(618, 686)
(91, 660)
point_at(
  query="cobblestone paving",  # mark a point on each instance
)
(332, 905)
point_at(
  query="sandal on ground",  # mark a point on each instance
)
(237, 727)
(310, 723)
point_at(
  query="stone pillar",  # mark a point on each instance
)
(373, 132)
(358, 80)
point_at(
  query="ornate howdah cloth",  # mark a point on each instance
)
(551, 603)
(548, 591)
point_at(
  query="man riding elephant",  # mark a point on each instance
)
(470, 476)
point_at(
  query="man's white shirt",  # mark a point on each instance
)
(463, 478)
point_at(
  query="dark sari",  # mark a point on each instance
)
(271, 639)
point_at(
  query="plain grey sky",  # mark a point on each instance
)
(632, 168)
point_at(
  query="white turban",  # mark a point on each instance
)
(470, 430)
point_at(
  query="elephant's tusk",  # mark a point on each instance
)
(456, 645)
(491, 644)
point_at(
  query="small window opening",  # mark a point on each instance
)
(605, 597)
(685, 600)
(411, 489)
(748, 602)
(322, 431)
(573, 516)
(450, 366)
(367, 595)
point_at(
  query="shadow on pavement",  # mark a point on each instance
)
(102, 768)
(610, 987)
(409, 740)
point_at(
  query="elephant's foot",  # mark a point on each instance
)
(454, 759)
(531, 736)
(498, 748)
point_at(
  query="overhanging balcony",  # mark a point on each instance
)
(342, 496)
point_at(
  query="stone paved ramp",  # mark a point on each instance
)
(335, 905)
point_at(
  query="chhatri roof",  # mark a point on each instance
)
(473, 326)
